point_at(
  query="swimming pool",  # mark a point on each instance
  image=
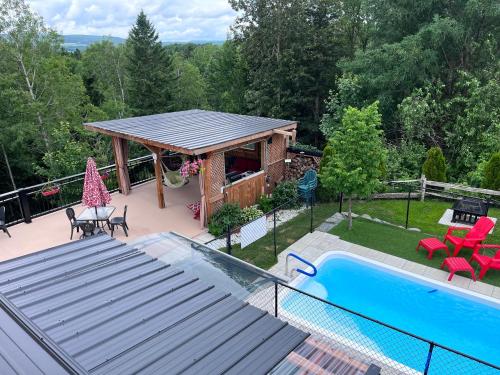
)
(438, 312)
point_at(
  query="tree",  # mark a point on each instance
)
(227, 79)
(491, 173)
(103, 66)
(39, 90)
(148, 69)
(347, 94)
(358, 155)
(434, 167)
(189, 88)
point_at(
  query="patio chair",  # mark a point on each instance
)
(486, 262)
(120, 221)
(88, 229)
(307, 184)
(473, 237)
(3, 225)
(70, 213)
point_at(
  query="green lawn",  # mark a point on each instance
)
(261, 252)
(398, 242)
(424, 215)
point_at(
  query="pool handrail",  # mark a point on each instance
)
(299, 270)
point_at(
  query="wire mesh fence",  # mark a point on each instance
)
(299, 214)
(364, 340)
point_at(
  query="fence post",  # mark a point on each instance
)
(340, 202)
(275, 299)
(408, 206)
(312, 204)
(429, 356)
(228, 239)
(422, 190)
(25, 205)
(274, 234)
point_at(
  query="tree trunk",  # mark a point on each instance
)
(349, 215)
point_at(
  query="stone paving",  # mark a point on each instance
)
(315, 244)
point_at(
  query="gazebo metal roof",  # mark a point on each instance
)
(193, 131)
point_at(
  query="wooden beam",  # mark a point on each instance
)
(159, 178)
(120, 151)
(282, 132)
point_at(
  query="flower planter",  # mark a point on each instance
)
(53, 191)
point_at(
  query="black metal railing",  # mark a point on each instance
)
(370, 340)
(24, 204)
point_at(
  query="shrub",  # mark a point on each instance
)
(434, 167)
(215, 229)
(323, 193)
(250, 213)
(285, 195)
(491, 173)
(265, 203)
(229, 214)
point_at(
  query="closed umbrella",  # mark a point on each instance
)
(95, 193)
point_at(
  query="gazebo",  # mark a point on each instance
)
(242, 156)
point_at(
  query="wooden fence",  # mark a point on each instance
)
(246, 191)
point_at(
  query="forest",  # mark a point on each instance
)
(431, 66)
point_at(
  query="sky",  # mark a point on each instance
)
(175, 20)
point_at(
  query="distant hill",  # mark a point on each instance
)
(81, 42)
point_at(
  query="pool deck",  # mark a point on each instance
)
(315, 244)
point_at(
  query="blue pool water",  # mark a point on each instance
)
(450, 318)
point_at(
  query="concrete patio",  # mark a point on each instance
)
(143, 217)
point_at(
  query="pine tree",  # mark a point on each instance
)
(434, 167)
(149, 69)
(491, 174)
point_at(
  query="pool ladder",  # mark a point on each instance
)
(299, 270)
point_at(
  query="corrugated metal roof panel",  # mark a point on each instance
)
(116, 310)
(20, 353)
(192, 129)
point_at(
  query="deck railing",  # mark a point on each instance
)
(359, 336)
(24, 204)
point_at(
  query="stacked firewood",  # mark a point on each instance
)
(299, 165)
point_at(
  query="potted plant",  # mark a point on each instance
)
(191, 168)
(105, 175)
(50, 189)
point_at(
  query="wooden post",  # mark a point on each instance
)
(159, 178)
(294, 137)
(422, 190)
(120, 151)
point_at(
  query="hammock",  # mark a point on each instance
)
(171, 170)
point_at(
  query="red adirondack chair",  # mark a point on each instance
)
(474, 236)
(485, 261)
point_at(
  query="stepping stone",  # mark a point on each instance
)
(325, 227)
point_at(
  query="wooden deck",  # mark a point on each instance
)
(315, 357)
(143, 217)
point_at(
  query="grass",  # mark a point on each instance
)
(399, 242)
(424, 215)
(261, 252)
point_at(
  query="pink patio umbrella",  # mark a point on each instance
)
(95, 193)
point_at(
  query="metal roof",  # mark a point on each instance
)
(191, 130)
(115, 310)
(20, 353)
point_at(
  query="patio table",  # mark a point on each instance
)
(96, 214)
